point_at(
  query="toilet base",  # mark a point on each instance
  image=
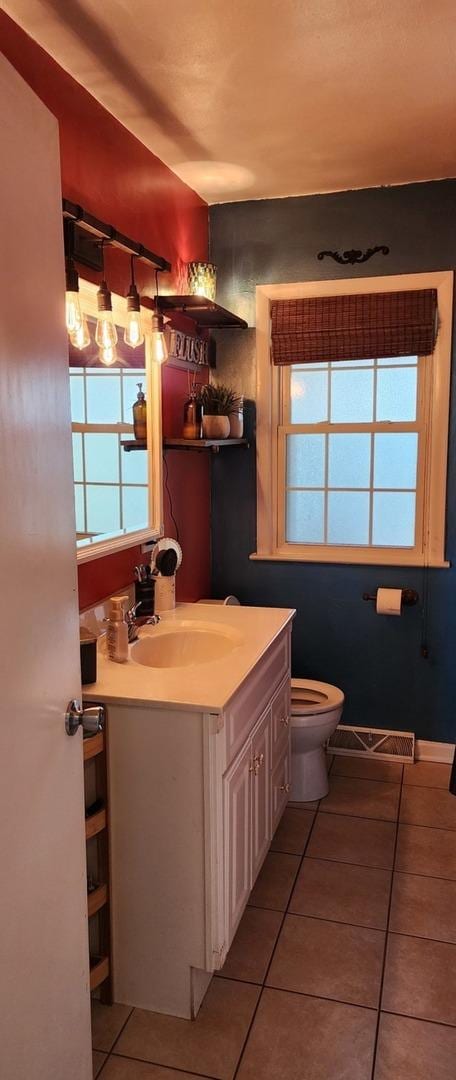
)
(309, 775)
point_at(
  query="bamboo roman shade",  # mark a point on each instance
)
(357, 327)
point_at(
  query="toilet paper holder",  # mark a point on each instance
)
(409, 597)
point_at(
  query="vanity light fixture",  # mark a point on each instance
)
(158, 344)
(133, 335)
(73, 313)
(202, 279)
(105, 333)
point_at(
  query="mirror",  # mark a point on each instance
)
(116, 493)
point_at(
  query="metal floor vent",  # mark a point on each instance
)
(373, 743)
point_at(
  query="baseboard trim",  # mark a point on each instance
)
(434, 751)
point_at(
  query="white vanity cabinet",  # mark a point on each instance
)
(195, 797)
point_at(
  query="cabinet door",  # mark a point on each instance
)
(261, 809)
(238, 878)
(280, 784)
(280, 721)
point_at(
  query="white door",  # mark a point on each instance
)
(44, 998)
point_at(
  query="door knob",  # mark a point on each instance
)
(91, 719)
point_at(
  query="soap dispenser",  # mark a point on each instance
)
(140, 415)
(117, 632)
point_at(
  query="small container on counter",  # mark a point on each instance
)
(140, 415)
(88, 652)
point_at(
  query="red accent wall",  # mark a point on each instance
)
(109, 172)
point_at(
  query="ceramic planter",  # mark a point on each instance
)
(216, 427)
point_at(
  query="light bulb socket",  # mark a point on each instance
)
(104, 299)
(158, 323)
(133, 299)
(71, 276)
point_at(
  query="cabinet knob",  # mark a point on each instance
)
(285, 788)
(256, 764)
(285, 720)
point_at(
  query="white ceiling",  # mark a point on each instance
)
(261, 98)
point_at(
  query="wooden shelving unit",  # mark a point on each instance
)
(97, 833)
(202, 444)
(205, 313)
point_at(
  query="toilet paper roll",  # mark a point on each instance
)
(389, 601)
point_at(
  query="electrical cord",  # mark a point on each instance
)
(168, 492)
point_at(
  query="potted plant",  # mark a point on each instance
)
(218, 402)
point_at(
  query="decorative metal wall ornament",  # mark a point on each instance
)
(193, 350)
(354, 255)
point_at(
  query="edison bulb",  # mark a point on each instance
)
(108, 355)
(105, 333)
(73, 314)
(158, 345)
(80, 337)
(133, 331)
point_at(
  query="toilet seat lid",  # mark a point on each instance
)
(309, 697)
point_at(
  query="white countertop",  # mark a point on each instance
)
(201, 687)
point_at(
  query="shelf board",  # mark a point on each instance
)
(133, 444)
(202, 444)
(99, 970)
(97, 899)
(93, 745)
(95, 824)
(204, 312)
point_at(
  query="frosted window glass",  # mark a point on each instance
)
(135, 507)
(305, 517)
(349, 461)
(130, 393)
(396, 394)
(352, 364)
(395, 360)
(103, 509)
(77, 457)
(308, 397)
(79, 507)
(351, 396)
(305, 460)
(394, 519)
(102, 458)
(77, 399)
(134, 467)
(324, 366)
(348, 517)
(395, 459)
(103, 399)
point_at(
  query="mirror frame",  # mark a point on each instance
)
(108, 546)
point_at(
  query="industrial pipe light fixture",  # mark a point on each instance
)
(133, 335)
(73, 313)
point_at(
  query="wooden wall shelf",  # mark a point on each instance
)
(93, 745)
(204, 312)
(99, 970)
(202, 444)
(97, 832)
(96, 900)
(95, 824)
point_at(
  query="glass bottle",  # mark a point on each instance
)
(193, 418)
(140, 415)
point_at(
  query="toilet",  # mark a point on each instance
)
(316, 709)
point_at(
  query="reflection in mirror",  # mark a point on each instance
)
(110, 485)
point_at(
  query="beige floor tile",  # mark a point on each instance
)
(349, 894)
(328, 959)
(275, 881)
(427, 774)
(428, 806)
(420, 979)
(252, 947)
(98, 1059)
(426, 851)
(414, 1050)
(367, 768)
(424, 906)
(303, 1038)
(107, 1022)
(293, 830)
(362, 798)
(211, 1044)
(119, 1068)
(353, 840)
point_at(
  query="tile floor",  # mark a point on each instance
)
(344, 964)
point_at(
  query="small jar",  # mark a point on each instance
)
(193, 418)
(237, 420)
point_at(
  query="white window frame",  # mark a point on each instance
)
(435, 384)
(97, 549)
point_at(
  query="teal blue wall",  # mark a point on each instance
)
(337, 637)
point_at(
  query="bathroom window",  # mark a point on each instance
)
(352, 460)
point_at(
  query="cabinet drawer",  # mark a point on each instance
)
(280, 725)
(280, 787)
(253, 697)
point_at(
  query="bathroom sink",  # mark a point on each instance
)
(184, 645)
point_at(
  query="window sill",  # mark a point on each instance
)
(365, 559)
(99, 548)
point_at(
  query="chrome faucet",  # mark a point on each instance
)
(134, 622)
